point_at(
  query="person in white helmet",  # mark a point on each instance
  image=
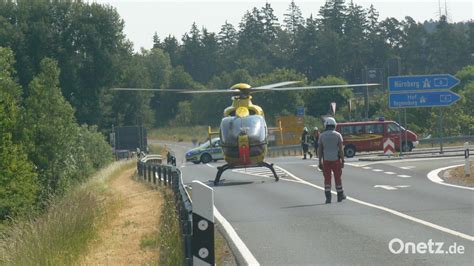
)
(331, 158)
(305, 140)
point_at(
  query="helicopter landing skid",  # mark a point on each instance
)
(221, 169)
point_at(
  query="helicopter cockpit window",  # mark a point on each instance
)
(254, 126)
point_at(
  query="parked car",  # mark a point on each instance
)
(206, 152)
(370, 135)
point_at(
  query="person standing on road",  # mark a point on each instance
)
(305, 138)
(331, 158)
(315, 139)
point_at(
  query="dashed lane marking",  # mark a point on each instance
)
(389, 173)
(377, 170)
(407, 167)
(366, 167)
(404, 176)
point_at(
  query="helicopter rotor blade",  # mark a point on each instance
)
(145, 89)
(275, 85)
(321, 87)
(208, 91)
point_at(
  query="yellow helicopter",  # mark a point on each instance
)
(243, 131)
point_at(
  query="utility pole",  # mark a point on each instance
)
(366, 95)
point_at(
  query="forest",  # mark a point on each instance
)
(60, 59)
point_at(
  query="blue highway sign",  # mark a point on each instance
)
(422, 83)
(423, 99)
(300, 111)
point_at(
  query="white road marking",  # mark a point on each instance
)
(394, 212)
(387, 187)
(433, 176)
(407, 167)
(259, 171)
(239, 244)
(366, 167)
(290, 180)
(377, 170)
(389, 173)
(353, 164)
(404, 160)
(210, 165)
(404, 176)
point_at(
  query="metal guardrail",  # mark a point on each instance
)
(293, 150)
(151, 170)
(286, 150)
(447, 139)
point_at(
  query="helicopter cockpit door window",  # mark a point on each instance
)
(254, 126)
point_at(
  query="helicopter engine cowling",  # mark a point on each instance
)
(244, 139)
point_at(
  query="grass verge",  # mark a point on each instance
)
(63, 232)
(169, 237)
(179, 134)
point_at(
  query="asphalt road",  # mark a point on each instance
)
(286, 222)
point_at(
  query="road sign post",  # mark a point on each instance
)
(467, 163)
(203, 224)
(422, 91)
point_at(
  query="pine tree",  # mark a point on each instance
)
(355, 42)
(293, 19)
(227, 38)
(333, 15)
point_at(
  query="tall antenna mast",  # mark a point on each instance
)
(439, 8)
(446, 10)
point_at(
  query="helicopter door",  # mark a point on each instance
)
(253, 126)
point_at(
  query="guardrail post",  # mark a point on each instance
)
(141, 169)
(165, 173)
(203, 224)
(169, 176)
(467, 161)
(144, 171)
(159, 175)
(175, 181)
(151, 173)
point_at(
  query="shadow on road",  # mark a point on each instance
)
(302, 206)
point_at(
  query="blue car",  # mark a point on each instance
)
(206, 152)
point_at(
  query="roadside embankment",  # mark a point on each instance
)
(63, 233)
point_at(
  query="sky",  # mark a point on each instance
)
(165, 17)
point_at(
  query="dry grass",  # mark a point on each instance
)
(456, 176)
(223, 253)
(130, 236)
(179, 134)
(63, 232)
(170, 240)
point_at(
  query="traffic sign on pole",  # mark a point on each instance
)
(422, 99)
(422, 83)
(422, 91)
